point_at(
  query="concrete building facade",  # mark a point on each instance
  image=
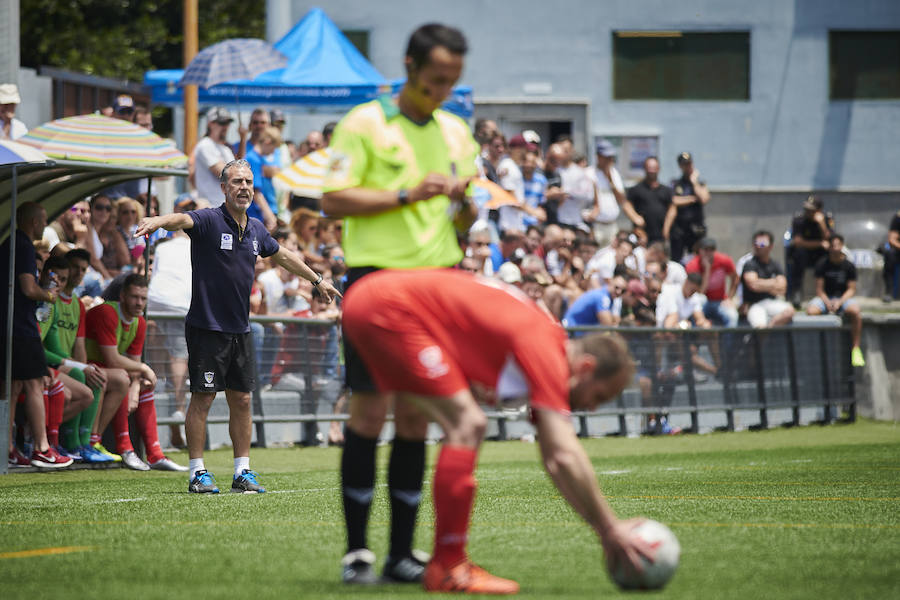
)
(538, 63)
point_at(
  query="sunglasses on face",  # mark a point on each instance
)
(78, 210)
(105, 207)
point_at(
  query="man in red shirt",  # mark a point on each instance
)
(720, 281)
(434, 335)
(115, 333)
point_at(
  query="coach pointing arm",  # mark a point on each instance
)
(238, 188)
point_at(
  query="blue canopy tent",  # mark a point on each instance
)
(324, 69)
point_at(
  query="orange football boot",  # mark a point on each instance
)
(466, 577)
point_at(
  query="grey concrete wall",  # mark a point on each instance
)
(787, 135)
(879, 393)
(732, 217)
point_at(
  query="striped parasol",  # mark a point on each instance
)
(306, 176)
(95, 138)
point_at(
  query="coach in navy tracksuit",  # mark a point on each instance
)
(225, 244)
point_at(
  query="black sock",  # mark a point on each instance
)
(405, 472)
(357, 486)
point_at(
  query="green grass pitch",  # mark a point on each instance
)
(812, 512)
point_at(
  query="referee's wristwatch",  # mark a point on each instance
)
(318, 280)
(403, 197)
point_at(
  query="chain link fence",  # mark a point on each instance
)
(693, 380)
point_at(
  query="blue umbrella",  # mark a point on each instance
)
(240, 58)
(14, 152)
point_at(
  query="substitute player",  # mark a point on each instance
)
(430, 335)
(114, 339)
(108, 386)
(225, 244)
(396, 164)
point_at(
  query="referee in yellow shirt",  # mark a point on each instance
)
(397, 176)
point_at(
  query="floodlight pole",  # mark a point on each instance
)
(190, 91)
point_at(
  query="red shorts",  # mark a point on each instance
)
(401, 354)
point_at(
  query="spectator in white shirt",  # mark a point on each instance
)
(11, 128)
(610, 192)
(210, 156)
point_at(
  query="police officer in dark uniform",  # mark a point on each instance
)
(810, 230)
(690, 196)
(891, 253)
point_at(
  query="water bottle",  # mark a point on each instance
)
(43, 310)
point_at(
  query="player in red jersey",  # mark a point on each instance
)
(433, 336)
(115, 333)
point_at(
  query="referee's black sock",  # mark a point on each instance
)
(357, 486)
(405, 472)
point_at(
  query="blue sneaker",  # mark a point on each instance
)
(246, 483)
(64, 452)
(203, 483)
(91, 456)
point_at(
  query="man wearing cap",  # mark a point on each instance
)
(720, 282)
(211, 154)
(810, 230)
(123, 107)
(11, 128)
(685, 222)
(610, 192)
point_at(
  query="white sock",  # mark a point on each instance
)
(195, 464)
(241, 463)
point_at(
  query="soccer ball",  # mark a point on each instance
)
(660, 571)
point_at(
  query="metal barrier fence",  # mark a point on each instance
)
(701, 378)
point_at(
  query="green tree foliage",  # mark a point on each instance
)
(122, 39)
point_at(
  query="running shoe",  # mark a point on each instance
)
(203, 483)
(856, 357)
(131, 460)
(73, 454)
(405, 569)
(164, 464)
(468, 578)
(17, 459)
(99, 448)
(246, 483)
(90, 455)
(50, 459)
(358, 567)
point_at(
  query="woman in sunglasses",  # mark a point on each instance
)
(108, 250)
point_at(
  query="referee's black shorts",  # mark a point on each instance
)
(219, 361)
(356, 375)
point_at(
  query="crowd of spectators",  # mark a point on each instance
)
(588, 249)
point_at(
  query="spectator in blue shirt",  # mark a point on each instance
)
(597, 306)
(535, 188)
(264, 163)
